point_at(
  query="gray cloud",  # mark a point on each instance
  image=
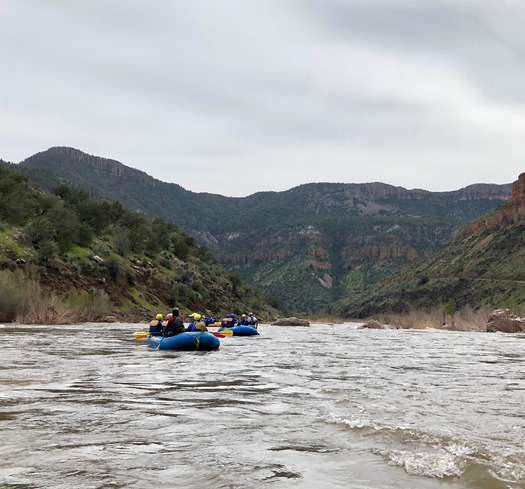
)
(239, 96)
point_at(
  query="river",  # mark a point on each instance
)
(328, 406)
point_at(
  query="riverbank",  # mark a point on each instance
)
(465, 319)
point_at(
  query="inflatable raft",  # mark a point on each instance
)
(189, 341)
(241, 330)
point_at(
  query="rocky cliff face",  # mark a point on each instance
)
(518, 189)
(515, 210)
(108, 167)
(482, 267)
(373, 199)
(512, 212)
(484, 191)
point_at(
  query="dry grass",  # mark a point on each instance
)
(22, 301)
(16, 291)
(52, 309)
(468, 320)
(413, 320)
(464, 320)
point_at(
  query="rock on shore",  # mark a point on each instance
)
(373, 324)
(505, 321)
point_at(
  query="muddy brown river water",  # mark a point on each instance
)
(88, 406)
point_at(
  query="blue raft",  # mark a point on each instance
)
(241, 330)
(189, 341)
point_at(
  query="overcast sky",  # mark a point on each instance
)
(239, 96)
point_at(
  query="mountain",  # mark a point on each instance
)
(67, 258)
(308, 246)
(484, 265)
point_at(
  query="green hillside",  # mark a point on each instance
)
(66, 257)
(307, 247)
(484, 266)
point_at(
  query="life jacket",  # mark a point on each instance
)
(174, 327)
(200, 326)
(155, 326)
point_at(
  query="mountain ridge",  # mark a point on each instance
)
(381, 189)
(484, 265)
(310, 245)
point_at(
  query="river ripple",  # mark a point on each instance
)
(322, 407)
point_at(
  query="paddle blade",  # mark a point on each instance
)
(226, 332)
(140, 335)
(219, 335)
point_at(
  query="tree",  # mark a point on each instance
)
(450, 309)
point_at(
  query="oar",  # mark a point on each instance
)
(226, 332)
(140, 335)
(217, 334)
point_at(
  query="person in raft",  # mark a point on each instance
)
(191, 326)
(209, 320)
(252, 321)
(175, 324)
(226, 321)
(197, 324)
(155, 327)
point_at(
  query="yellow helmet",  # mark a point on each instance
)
(196, 316)
(244, 315)
(158, 316)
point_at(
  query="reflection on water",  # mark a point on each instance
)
(321, 407)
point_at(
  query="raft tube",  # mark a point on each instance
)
(241, 330)
(189, 341)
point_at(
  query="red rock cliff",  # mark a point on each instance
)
(512, 212)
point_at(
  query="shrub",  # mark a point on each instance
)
(7, 264)
(113, 267)
(164, 262)
(178, 293)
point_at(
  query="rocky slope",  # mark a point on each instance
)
(307, 246)
(67, 258)
(484, 265)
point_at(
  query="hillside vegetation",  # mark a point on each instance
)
(306, 247)
(65, 257)
(483, 267)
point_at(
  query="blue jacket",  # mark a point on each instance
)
(191, 327)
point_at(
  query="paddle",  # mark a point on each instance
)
(140, 335)
(222, 334)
